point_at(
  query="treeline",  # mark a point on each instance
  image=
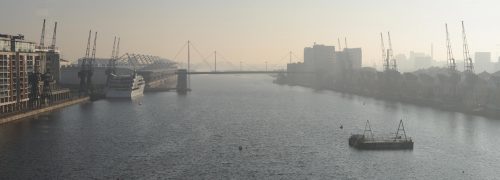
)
(434, 86)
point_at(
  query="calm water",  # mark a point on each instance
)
(286, 133)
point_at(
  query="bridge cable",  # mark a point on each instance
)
(179, 52)
(201, 56)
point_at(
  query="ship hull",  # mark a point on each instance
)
(112, 93)
(359, 142)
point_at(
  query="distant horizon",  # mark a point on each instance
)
(258, 31)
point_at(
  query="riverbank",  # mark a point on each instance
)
(480, 111)
(34, 112)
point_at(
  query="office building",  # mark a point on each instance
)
(482, 62)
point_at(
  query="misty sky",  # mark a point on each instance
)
(259, 30)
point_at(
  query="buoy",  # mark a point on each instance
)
(240, 148)
(341, 127)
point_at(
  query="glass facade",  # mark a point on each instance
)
(4, 76)
(4, 45)
(21, 46)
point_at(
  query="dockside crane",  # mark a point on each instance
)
(84, 69)
(42, 36)
(390, 56)
(90, 87)
(451, 61)
(468, 65)
(110, 70)
(53, 45)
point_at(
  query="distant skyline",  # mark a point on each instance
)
(256, 31)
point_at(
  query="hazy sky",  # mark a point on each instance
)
(259, 30)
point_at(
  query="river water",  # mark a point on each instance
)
(286, 132)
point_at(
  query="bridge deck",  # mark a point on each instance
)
(238, 72)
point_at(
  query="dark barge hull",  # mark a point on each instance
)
(359, 142)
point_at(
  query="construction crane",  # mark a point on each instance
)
(468, 65)
(451, 61)
(384, 55)
(42, 37)
(390, 56)
(53, 45)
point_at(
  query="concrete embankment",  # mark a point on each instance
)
(35, 112)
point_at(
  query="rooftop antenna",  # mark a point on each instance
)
(449, 55)
(469, 67)
(42, 38)
(53, 45)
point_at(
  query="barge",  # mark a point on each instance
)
(367, 141)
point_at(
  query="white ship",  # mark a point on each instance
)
(125, 86)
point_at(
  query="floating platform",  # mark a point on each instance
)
(361, 142)
(367, 141)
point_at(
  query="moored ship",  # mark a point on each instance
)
(125, 86)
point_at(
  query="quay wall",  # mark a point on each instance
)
(35, 112)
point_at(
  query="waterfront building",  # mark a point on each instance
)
(482, 62)
(404, 64)
(319, 58)
(421, 60)
(24, 81)
(17, 59)
(349, 58)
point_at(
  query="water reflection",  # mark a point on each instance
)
(286, 132)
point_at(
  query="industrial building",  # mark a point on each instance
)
(483, 62)
(321, 58)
